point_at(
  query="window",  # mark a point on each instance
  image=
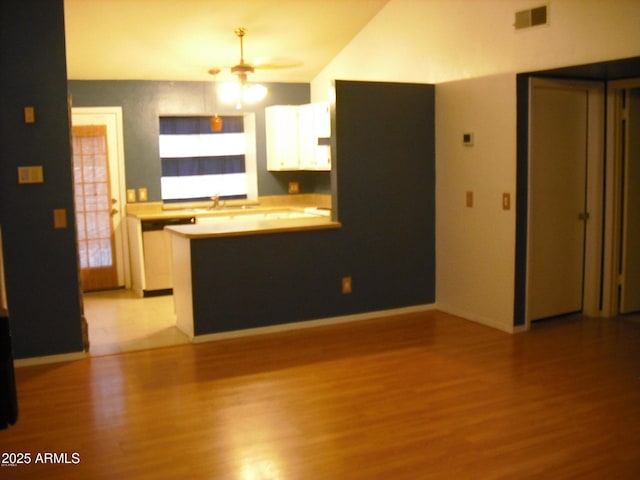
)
(198, 163)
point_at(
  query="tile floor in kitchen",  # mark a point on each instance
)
(120, 321)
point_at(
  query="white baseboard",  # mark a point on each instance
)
(63, 357)
(67, 357)
(478, 319)
(310, 323)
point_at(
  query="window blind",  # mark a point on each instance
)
(198, 163)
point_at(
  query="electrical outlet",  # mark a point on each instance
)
(142, 194)
(59, 218)
(506, 201)
(294, 187)
(131, 195)
(347, 286)
(29, 115)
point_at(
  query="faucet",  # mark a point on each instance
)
(216, 201)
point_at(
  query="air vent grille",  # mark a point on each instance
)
(531, 17)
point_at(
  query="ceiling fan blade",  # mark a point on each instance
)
(243, 69)
(275, 63)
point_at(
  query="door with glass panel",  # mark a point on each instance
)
(95, 207)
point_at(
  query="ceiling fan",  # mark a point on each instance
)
(243, 69)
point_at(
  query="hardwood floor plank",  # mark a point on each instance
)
(427, 396)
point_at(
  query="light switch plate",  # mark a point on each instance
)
(30, 174)
(131, 195)
(469, 199)
(142, 194)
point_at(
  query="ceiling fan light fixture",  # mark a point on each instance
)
(254, 93)
(240, 94)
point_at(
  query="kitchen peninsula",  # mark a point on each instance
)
(385, 243)
(200, 276)
(150, 244)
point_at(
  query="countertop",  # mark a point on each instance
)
(160, 214)
(253, 226)
(298, 203)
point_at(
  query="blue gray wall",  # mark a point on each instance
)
(143, 102)
(40, 263)
(385, 180)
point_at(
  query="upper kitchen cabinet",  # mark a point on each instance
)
(294, 134)
(314, 123)
(281, 123)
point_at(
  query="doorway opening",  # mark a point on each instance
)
(624, 211)
(611, 275)
(565, 198)
(99, 179)
(118, 319)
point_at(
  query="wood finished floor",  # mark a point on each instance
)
(420, 396)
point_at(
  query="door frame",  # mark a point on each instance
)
(614, 202)
(592, 280)
(117, 178)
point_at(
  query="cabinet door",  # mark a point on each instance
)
(281, 124)
(322, 129)
(306, 136)
(323, 157)
(322, 114)
(314, 123)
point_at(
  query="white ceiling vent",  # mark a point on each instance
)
(531, 17)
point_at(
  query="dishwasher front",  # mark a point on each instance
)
(156, 248)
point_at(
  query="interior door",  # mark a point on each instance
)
(557, 199)
(102, 247)
(630, 260)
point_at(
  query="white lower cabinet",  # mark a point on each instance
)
(150, 254)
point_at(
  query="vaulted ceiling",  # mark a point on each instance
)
(183, 39)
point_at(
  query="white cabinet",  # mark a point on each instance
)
(150, 254)
(281, 122)
(322, 113)
(314, 122)
(293, 133)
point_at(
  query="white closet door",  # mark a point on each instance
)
(557, 199)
